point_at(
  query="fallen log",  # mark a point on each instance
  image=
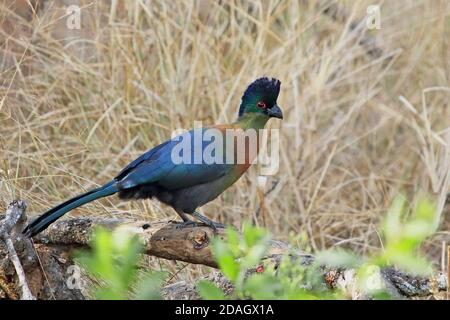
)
(163, 239)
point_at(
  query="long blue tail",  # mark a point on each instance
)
(55, 213)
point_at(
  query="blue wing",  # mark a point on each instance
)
(150, 155)
(158, 166)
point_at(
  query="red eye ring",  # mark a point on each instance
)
(261, 105)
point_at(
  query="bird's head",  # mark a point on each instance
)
(261, 98)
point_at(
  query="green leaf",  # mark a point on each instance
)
(209, 291)
(262, 287)
(229, 267)
(425, 210)
(392, 224)
(226, 260)
(233, 241)
(254, 255)
(337, 258)
(252, 234)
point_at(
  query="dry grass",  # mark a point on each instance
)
(77, 105)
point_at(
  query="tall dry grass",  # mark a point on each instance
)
(362, 123)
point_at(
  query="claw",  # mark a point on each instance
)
(185, 224)
(213, 225)
(216, 225)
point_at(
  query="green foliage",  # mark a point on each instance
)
(403, 232)
(238, 254)
(403, 236)
(113, 261)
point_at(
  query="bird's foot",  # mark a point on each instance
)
(187, 223)
(215, 225)
(212, 224)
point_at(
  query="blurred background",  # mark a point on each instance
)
(366, 109)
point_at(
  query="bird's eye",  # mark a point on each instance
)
(261, 105)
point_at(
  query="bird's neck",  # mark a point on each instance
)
(252, 121)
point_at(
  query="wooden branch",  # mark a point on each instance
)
(163, 239)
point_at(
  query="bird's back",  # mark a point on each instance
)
(201, 176)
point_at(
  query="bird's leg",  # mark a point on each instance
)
(186, 221)
(208, 222)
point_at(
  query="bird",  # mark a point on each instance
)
(188, 185)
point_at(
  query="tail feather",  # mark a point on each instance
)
(42, 222)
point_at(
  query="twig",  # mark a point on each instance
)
(14, 213)
(26, 293)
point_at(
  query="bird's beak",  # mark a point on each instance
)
(275, 112)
